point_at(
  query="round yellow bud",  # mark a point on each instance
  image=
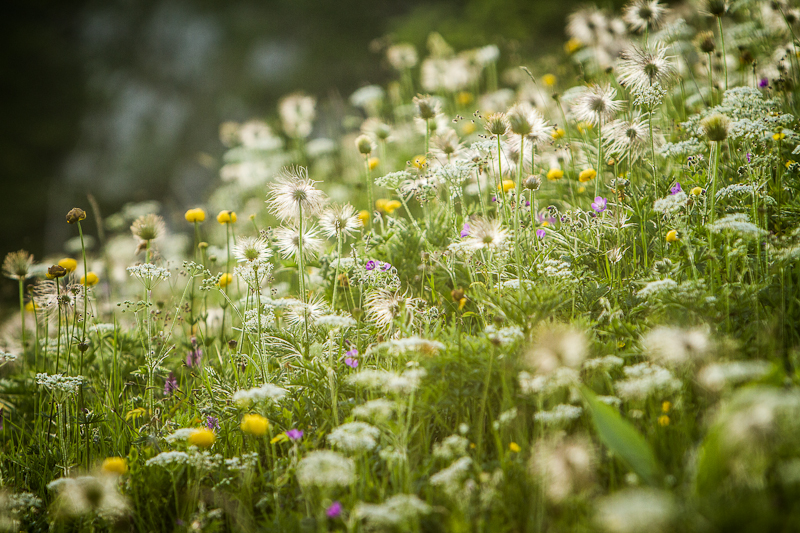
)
(558, 133)
(514, 447)
(779, 136)
(672, 236)
(90, 279)
(663, 420)
(363, 216)
(587, 175)
(419, 161)
(69, 263)
(226, 217)
(468, 128)
(30, 306)
(464, 98)
(115, 465)
(225, 280)
(549, 80)
(572, 46)
(195, 215)
(666, 406)
(581, 189)
(255, 425)
(555, 174)
(202, 438)
(697, 191)
(373, 163)
(506, 186)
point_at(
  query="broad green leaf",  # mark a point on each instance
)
(623, 439)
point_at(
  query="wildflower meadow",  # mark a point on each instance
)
(557, 295)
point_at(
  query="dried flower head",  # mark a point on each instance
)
(340, 221)
(497, 124)
(643, 15)
(288, 241)
(148, 227)
(427, 106)
(17, 265)
(250, 249)
(294, 195)
(596, 104)
(76, 214)
(642, 67)
(716, 127)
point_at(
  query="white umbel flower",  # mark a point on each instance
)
(355, 437)
(325, 469)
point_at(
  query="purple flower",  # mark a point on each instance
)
(352, 352)
(370, 265)
(352, 363)
(193, 357)
(599, 204)
(494, 198)
(334, 511)
(295, 434)
(763, 82)
(540, 233)
(171, 385)
(212, 422)
(749, 157)
(465, 230)
(675, 188)
(386, 266)
(527, 203)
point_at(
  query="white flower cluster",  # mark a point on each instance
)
(149, 274)
(634, 510)
(166, 459)
(717, 376)
(554, 268)
(335, 322)
(670, 204)
(559, 415)
(451, 479)
(375, 410)
(738, 223)
(325, 469)
(548, 383)
(682, 148)
(268, 391)
(657, 287)
(396, 511)
(450, 448)
(412, 344)
(646, 379)
(355, 437)
(6, 357)
(404, 383)
(503, 336)
(60, 382)
(180, 434)
(606, 363)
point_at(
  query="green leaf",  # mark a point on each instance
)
(623, 439)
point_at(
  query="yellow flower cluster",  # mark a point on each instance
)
(195, 215)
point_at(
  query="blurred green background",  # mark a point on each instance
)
(123, 99)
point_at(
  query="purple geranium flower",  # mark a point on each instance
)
(352, 352)
(295, 434)
(370, 265)
(465, 230)
(212, 422)
(351, 362)
(763, 82)
(599, 204)
(386, 266)
(540, 233)
(334, 511)
(494, 198)
(171, 385)
(675, 188)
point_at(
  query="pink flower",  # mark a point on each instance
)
(352, 363)
(295, 434)
(334, 511)
(599, 204)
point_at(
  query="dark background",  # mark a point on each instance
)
(123, 98)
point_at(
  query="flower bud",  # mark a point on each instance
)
(76, 214)
(56, 271)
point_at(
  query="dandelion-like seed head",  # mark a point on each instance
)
(364, 145)
(557, 346)
(250, 249)
(565, 465)
(716, 127)
(17, 265)
(596, 104)
(705, 42)
(497, 124)
(628, 138)
(642, 67)
(486, 233)
(340, 221)
(715, 8)
(294, 194)
(446, 144)
(288, 241)
(148, 227)
(427, 106)
(642, 15)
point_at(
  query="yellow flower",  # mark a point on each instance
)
(789, 163)
(255, 425)
(30, 306)
(468, 128)
(419, 161)
(572, 46)
(666, 406)
(202, 438)
(581, 189)
(514, 447)
(621, 344)
(373, 163)
(779, 136)
(464, 98)
(507, 185)
(90, 279)
(461, 303)
(279, 438)
(363, 216)
(672, 236)
(224, 217)
(225, 280)
(69, 263)
(587, 175)
(663, 420)
(585, 126)
(558, 133)
(697, 191)
(555, 174)
(115, 465)
(195, 215)
(549, 80)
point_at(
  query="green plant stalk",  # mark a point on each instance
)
(722, 41)
(370, 198)
(22, 318)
